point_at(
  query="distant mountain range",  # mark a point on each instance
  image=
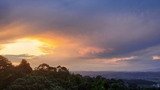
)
(149, 76)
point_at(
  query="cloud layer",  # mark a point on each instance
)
(92, 32)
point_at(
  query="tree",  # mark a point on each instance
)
(43, 67)
(24, 67)
(5, 64)
(34, 83)
(62, 69)
(6, 72)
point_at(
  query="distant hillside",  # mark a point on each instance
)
(150, 76)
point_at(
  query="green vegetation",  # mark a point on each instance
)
(45, 77)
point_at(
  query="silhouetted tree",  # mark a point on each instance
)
(5, 64)
(43, 67)
(24, 67)
(62, 69)
(6, 72)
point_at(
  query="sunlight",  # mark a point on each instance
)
(24, 46)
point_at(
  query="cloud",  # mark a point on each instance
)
(16, 59)
(97, 29)
(156, 57)
(21, 56)
(91, 51)
(118, 60)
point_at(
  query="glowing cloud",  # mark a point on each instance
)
(118, 60)
(156, 57)
(90, 51)
(23, 46)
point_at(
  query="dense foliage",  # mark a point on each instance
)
(45, 77)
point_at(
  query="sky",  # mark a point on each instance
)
(83, 35)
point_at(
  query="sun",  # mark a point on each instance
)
(24, 46)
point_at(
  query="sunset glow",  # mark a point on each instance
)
(23, 46)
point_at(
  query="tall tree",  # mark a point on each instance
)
(24, 67)
(6, 69)
(5, 64)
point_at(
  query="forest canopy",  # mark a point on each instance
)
(46, 77)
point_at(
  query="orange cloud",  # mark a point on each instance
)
(92, 50)
(15, 30)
